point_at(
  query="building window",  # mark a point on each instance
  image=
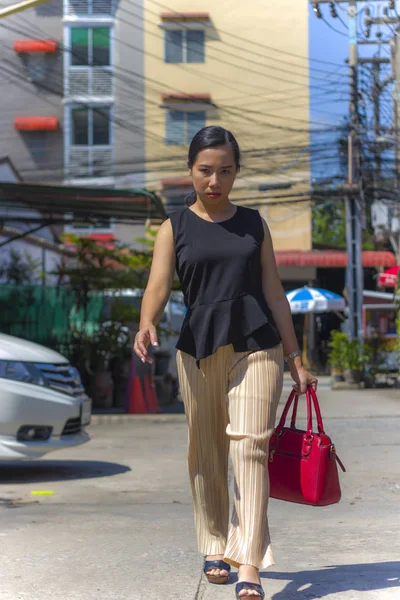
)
(181, 127)
(37, 144)
(91, 126)
(37, 66)
(90, 46)
(89, 145)
(88, 65)
(184, 46)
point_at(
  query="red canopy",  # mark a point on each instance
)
(331, 258)
(389, 278)
(23, 46)
(36, 123)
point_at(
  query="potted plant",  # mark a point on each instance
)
(354, 362)
(337, 345)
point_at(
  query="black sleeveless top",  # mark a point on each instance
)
(219, 267)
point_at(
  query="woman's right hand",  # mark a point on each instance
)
(143, 338)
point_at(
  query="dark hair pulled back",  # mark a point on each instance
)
(211, 137)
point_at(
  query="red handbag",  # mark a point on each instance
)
(302, 464)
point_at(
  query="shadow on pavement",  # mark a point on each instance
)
(311, 585)
(57, 470)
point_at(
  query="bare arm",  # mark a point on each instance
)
(279, 305)
(157, 290)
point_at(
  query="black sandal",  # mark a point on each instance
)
(216, 564)
(249, 586)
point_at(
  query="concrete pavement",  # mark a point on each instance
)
(119, 524)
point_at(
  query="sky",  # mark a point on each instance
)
(331, 105)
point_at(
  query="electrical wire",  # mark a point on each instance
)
(287, 129)
(333, 28)
(252, 42)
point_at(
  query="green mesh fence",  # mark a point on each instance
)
(47, 315)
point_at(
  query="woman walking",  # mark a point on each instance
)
(236, 331)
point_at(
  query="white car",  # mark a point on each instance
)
(43, 405)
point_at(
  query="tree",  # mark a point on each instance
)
(19, 269)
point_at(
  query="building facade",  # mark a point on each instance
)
(73, 98)
(245, 67)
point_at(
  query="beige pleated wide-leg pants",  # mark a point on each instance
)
(230, 404)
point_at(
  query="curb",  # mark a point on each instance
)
(128, 418)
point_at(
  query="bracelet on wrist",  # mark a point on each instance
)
(292, 355)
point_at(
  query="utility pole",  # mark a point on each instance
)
(353, 188)
(354, 273)
(395, 52)
(377, 88)
(376, 93)
(394, 216)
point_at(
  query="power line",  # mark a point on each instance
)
(258, 44)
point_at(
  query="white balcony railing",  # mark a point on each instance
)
(82, 8)
(89, 161)
(89, 81)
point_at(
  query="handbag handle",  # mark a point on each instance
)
(281, 424)
(311, 396)
(294, 412)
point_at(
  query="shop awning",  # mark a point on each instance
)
(331, 258)
(29, 46)
(36, 123)
(105, 238)
(185, 16)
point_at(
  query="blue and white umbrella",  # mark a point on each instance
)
(314, 300)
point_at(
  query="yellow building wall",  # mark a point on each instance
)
(256, 71)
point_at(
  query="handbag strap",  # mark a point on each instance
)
(311, 399)
(311, 395)
(281, 424)
(294, 412)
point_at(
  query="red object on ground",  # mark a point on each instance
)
(389, 278)
(36, 123)
(23, 46)
(150, 395)
(137, 404)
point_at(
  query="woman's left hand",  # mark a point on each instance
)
(302, 379)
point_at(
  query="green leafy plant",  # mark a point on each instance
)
(347, 354)
(338, 345)
(355, 357)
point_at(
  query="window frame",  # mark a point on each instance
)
(184, 31)
(68, 146)
(90, 108)
(90, 27)
(186, 140)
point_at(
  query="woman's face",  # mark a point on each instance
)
(213, 174)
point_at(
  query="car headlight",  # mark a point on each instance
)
(73, 372)
(21, 371)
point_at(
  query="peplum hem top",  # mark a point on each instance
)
(219, 268)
